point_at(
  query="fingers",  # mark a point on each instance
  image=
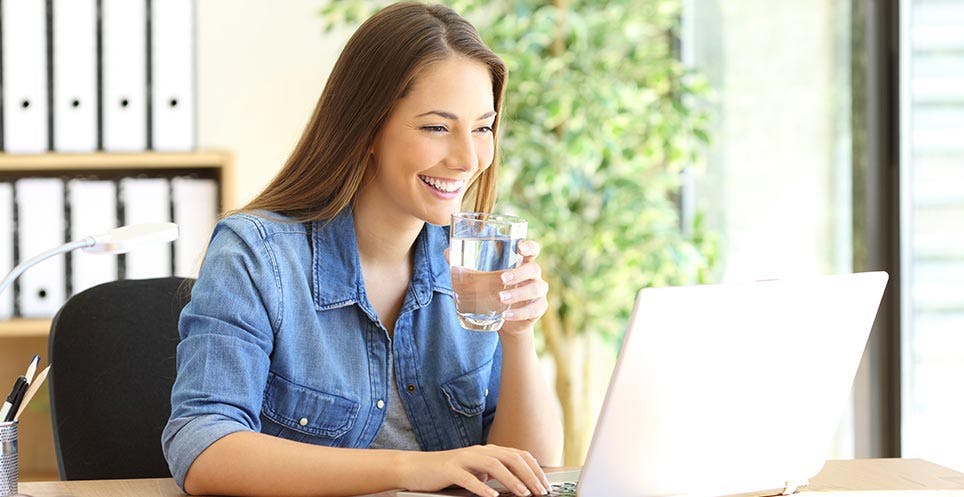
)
(527, 298)
(516, 470)
(526, 271)
(528, 312)
(525, 291)
(527, 469)
(530, 291)
(498, 466)
(471, 483)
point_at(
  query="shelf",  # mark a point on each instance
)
(53, 162)
(110, 160)
(24, 328)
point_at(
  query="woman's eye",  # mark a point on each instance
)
(434, 129)
(484, 129)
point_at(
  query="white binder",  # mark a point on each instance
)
(24, 37)
(196, 212)
(6, 246)
(93, 210)
(124, 66)
(75, 75)
(172, 74)
(40, 206)
(147, 200)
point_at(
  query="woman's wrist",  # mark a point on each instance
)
(524, 337)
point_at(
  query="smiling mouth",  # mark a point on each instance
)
(443, 185)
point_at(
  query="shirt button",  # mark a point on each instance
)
(303, 421)
(380, 404)
(486, 392)
(410, 387)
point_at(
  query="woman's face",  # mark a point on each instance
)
(437, 140)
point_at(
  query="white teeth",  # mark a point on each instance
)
(447, 186)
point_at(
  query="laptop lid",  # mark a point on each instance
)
(730, 389)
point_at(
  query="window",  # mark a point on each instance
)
(777, 185)
(932, 229)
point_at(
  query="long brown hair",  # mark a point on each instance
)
(377, 68)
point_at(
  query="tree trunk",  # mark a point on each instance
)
(572, 387)
(567, 354)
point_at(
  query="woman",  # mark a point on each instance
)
(321, 353)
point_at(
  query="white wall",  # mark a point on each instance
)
(261, 66)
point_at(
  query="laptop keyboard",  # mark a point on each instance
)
(564, 489)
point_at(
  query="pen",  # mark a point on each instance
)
(32, 368)
(17, 392)
(31, 390)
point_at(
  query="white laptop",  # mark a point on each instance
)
(733, 389)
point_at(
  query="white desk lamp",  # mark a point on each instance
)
(116, 241)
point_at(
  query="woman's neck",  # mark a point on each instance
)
(385, 239)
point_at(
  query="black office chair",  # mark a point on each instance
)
(113, 353)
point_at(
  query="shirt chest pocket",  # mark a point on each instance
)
(304, 414)
(466, 397)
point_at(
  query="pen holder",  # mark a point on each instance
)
(9, 459)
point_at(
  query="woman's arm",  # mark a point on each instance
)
(527, 416)
(253, 464)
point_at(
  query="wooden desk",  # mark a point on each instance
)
(869, 477)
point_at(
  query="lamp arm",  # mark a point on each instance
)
(27, 264)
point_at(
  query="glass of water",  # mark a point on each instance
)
(483, 245)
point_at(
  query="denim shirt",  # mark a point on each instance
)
(279, 338)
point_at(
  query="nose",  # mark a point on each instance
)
(462, 155)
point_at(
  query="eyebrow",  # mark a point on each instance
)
(453, 117)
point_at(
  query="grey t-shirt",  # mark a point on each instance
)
(396, 432)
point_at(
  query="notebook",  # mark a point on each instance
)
(731, 389)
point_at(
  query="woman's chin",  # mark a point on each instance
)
(442, 217)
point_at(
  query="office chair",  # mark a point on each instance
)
(113, 353)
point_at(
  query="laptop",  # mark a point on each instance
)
(731, 389)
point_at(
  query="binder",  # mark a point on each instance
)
(74, 76)
(172, 75)
(93, 210)
(124, 66)
(6, 246)
(40, 209)
(24, 41)
(147, 200)
(195, 211)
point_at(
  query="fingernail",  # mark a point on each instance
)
(522, 490)
(527, 248)
(507, 277)
(508, 315)
(505, 296)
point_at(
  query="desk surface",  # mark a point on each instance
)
(879, 476)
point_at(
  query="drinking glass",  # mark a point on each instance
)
(483, 245)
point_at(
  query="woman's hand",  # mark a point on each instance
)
(525, 292)
(470, 468)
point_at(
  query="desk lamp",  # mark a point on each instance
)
(116, 241)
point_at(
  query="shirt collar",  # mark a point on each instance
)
(338, 279)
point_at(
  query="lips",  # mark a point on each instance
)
(442, 184)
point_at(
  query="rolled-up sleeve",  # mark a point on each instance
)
(226, 342)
